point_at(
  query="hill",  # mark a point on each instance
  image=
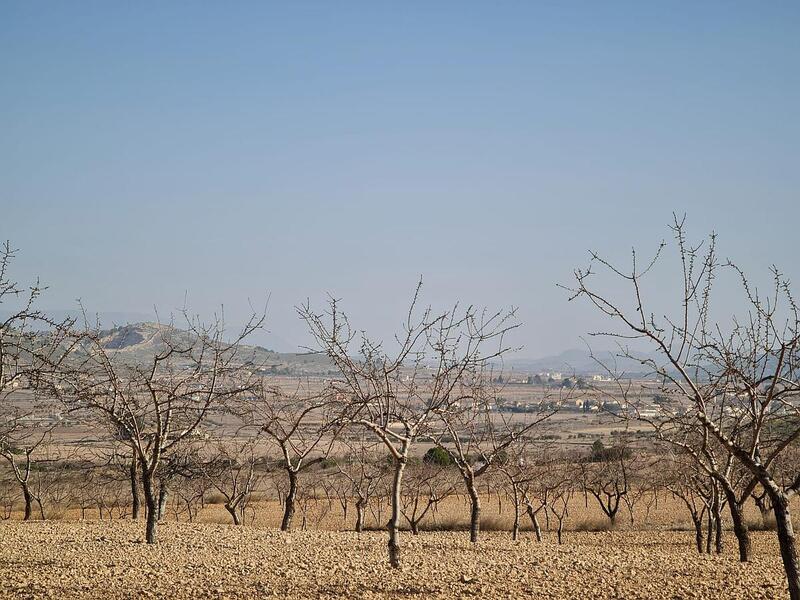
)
(139, 342)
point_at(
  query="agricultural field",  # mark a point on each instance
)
(208, 559)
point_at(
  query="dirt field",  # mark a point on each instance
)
(109, 560)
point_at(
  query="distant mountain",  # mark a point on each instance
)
(580, 362)
(139, 342)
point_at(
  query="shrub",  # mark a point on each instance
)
(438, 456)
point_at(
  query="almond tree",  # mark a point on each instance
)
(696, 489)
(298, 423)
(745, 369)
(676, 427)
(32, 347)
(232, 471)
(545, 483)
(363, 471)
(424, 487)
(19, 445)
(607, 475)
(478, 432)
(161, 405)
(396, 391)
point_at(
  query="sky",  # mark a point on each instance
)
(226, 153)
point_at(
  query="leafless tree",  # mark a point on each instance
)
(680, 429)
(606, 476)
(515, 467)
(363, 470)
(32, 346)
(547, 486)
(181, 471)
(478, 431)
(424, 487)
(738, 378)
(51, 480)
(188, 491)
(761, 500)
(299, 424)
(9, 495)
(396, 392)
(232, 472)
(161, 405)
(20, 446)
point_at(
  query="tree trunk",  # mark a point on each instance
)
(234, 513)
(783, 522)
(135, 501)
(163, 496)
(537, 530)
(394, 520)
(288, 505)
(739, 526)
(515, 528)
(360, 515)
(151, 505)
(475, 512)
(560, 529)
(698, 533)
(26, 494)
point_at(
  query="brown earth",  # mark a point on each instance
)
(93, 559)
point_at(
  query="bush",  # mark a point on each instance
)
(438, 456)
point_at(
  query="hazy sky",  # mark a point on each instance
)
(149, 150)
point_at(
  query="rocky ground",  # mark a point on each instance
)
(203, 560)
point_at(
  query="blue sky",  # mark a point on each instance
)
(236, 150)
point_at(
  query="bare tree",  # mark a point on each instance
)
(232, 471)
(606, 475)
(745, 370)
(9, 495)
(19, 446)
(436, 362)
(698, 492)
(181, 471)
(363, 471)
(675, 426)
(32, 347)
(298, 423)
(161, 405)
(424, 487)
(546, 484)
(477, 432)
